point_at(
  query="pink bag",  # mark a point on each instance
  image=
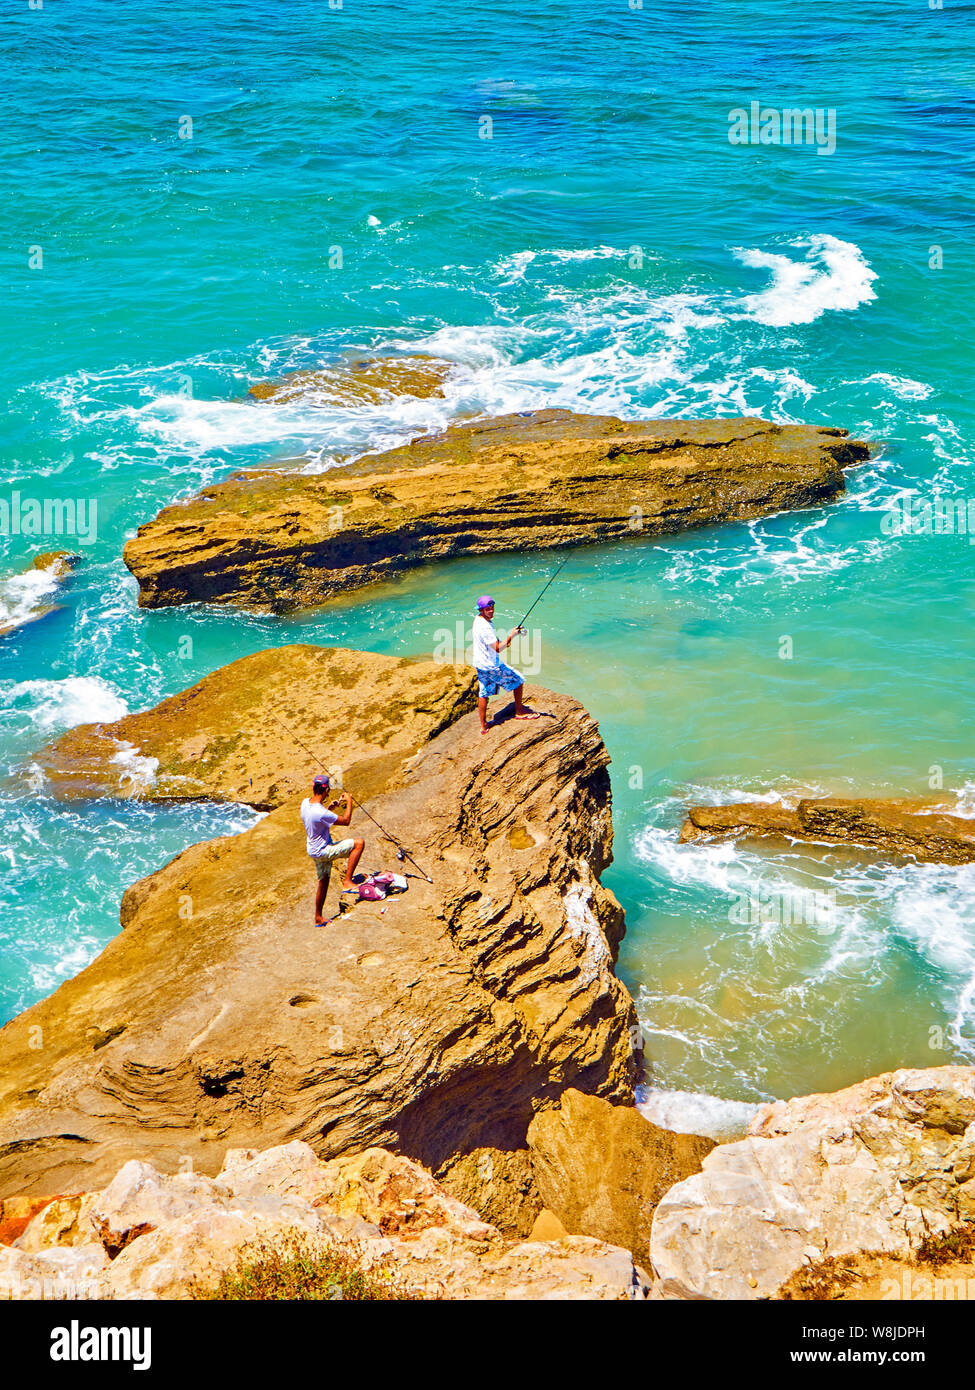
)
(370, 891)
(391, 882)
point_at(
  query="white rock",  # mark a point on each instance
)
(64, 1222)
(195, 1250)
(876, 1167)
(138, 1199)
(285, 1169)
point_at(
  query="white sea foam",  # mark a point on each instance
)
(136, 769)
(60, 704)
(903, 387)
(23, 595)
(832, 275)
(513, 267)
(964, 801)
(875, 906)
(693, 1112)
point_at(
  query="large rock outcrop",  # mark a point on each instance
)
(435, 1023)
(237, 734)
(896, 828)
(601, 1169)
(271, 541)
(875, 1168)
(149, 1235)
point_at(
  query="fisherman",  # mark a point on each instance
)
(318, 820)
(492, 673)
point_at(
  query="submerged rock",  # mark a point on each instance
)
(876, 1168)
(25, 598)
(897, 828)
(435, 1023)
(273, 541)
(360, 381)
(222, 739)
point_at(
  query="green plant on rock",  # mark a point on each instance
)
(292, 1269)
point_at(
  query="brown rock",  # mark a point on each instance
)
(434, 1023)
(16, 1213)
(273, 541)
(61, 562)
(601, 1169)
(547, 1226)
(899, 827)
(221, 739)
(497, 1183)
(360, 381)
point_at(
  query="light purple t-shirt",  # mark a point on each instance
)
(317, 819)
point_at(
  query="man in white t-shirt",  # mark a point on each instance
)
(492, 673)
(318, 820)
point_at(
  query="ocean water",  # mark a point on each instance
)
(204, 198)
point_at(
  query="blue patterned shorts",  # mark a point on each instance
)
(498, 678)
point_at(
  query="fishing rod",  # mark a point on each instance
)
(551, 581)
(402, 851)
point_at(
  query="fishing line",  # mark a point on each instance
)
(403, 851)
(550, 582)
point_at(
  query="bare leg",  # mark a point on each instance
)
(482, 711)
(320, 901)
(521, 709)
(354, 857)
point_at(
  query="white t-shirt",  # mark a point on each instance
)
(485, 657)
(317, 819)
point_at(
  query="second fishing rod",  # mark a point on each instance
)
(402, 851)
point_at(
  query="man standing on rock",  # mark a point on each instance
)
(318, 820)
(492, 673)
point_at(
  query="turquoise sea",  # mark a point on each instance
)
(607, 249)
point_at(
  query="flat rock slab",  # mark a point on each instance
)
(434, 1023)
(237, 734)
(897, 828)
(273, 541)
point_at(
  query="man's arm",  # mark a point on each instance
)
(345, 817)
(499, 646)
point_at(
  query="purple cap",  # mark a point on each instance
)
(485, 601)
(321, 783)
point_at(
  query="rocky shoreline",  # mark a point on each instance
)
(274, 541)
(437, 1023)
(31, 595)
(440, 1087)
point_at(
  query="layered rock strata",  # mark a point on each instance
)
(921, 831)
(272, 541)
(253, 731)
(435, 1023)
